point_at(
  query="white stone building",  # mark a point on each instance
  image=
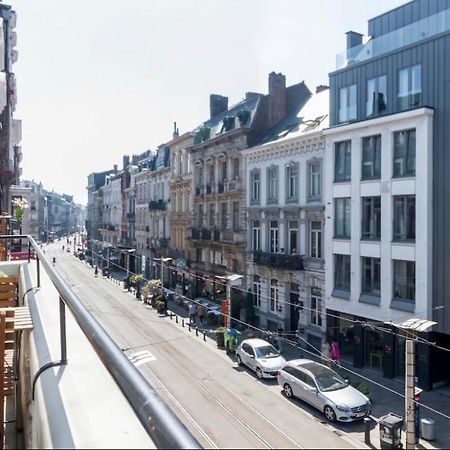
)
(379, 225)
(284, 198)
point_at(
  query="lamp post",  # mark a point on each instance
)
(412, 326)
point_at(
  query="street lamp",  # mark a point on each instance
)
(413, 326)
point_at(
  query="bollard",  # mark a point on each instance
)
(196, 331)
(176, 318)
(171, 316)
(182, 323)
(367, 430)
(204, 336)
(189, 326)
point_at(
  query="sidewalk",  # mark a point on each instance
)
(383, 401)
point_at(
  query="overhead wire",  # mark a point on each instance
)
(362, 323)
(294, 344)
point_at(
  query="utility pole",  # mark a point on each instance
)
(412, 326)
(409, 395)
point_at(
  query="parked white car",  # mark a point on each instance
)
(324, 389)
(260, 356)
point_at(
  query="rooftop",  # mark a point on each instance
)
(412, 33)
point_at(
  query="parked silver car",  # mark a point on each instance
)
(323, 389)
(260, 356)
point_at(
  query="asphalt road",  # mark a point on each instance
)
(223, 405)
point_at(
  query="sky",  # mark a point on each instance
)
(101, 79)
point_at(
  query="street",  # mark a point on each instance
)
(221, 404)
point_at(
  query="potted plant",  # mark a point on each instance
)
(361, 387)
(150, 290)
(220, 337)
(161, 307)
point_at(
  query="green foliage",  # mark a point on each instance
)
(363, 389)
(221, 330)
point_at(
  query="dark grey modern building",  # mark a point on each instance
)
(402, 71)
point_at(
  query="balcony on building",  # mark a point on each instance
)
(131, 215)
(401, 37)
(157, 205)
(278, 260)
(232, 237)
(64, 375)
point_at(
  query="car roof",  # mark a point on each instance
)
(255, 342)
(309, 365)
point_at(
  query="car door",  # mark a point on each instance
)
(311, 392)
(293, 377)
(251, 358)
(245, 354)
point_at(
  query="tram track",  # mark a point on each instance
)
(229, 402)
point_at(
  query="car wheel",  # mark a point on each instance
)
(329, 413)
(288, 391)
(259, 373)
(238, 360)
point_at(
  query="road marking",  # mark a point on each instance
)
(140, 358)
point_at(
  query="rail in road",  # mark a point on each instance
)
(220, 406)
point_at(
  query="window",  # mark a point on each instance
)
(316, 307)
(294, 296)
(410, 87)
(370, 283)
(292, 181)
(371, 158)
(404, 286)
(315, 182)
(200, 215)
(342, 272)
(371, 218)
(342, 162)
(255, 186)
(273, 236)
(235, 168)
(224, 212)
(223, 171)
(257, 291)
(347, 104)
(376, 96)
(256, 236)
(292, 237)
(315, 240)
(342, 218)
(404, 218)
(405, 153)
(212, 213)
(272, 184)
(211, 173)
(236, 221)
(274, 296)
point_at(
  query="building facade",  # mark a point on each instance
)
(386, 250)
(219, 234)
(285, 203)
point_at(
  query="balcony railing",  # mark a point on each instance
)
(279, 260)
(409, 34)
(160, 423)
(201, 234)
(157, 204)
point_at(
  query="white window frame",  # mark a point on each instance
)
(315, 240)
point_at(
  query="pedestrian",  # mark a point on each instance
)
(201, 311)
(280, 338)
(326, 353)
(335, 352)
(193, 313)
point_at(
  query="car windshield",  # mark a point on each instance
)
(330, 381)
(267, 351)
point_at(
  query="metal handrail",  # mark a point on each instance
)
(161, 424)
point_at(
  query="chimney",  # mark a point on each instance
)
(126, 161)
(353, 39)
(217, 104)
(249, 95)
(277, 97)
(115, 168)
(175, 133)
(321, 88)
